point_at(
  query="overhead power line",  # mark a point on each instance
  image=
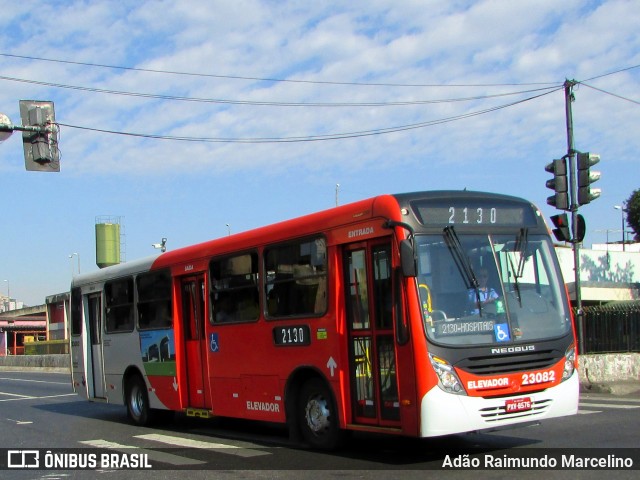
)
(610, 93)
(314, 138)
(271, 103)
(266, 79)
(614, 72)
(539, 92)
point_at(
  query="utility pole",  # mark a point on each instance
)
(569, 196)
(575, 242)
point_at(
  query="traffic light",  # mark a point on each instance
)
(558, 184)
(39, 136)
(562, 232)
(581, 228)
(586, 177)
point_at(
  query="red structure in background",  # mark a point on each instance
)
(15, 325)
(42, 322)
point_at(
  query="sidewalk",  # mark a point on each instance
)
(620, 388)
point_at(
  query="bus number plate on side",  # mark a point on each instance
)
(292, 335)
(518, 405)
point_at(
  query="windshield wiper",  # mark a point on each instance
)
(522, 241)
(462, 262)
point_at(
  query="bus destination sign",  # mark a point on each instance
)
(473, 213)
(464, 327)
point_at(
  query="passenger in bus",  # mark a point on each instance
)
(484, 295)
(248, 306)
(224, 309)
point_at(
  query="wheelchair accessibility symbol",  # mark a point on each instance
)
(501, 331)
(213, 343)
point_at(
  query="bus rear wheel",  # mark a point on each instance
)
(318, 416)
(138, 401)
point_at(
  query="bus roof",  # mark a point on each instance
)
(115, 271)
(381, 206)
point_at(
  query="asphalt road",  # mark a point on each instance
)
(40, 413)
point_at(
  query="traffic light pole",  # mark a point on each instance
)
(573, 203)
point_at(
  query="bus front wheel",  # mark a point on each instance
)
(318, 416)
(138, 401)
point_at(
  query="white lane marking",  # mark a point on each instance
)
(608, 405)
(35, 381)
(153, 455)
(190, 443)
(15, 395)
(25, 397)
(20, 422)
(610, 399)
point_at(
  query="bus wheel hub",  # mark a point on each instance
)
(317, 415)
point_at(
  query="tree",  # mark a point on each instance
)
(632, 209)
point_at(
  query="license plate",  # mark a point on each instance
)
(518, 405)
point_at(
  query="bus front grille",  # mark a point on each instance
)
(508, 363)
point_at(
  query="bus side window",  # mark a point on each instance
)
(296, 282)
(154, 300)
(119, 305)
(234, 292)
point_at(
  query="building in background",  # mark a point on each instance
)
(606, 275)
(19, 326)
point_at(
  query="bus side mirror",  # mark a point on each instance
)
(408, 258)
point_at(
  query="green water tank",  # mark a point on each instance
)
(107, 244)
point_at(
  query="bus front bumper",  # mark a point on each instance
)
(444, 413)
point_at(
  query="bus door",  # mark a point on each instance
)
(195, 341)
(94, 306)
(369, 308)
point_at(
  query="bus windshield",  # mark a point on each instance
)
(490, 289)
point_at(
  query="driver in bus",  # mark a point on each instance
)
(485, 294)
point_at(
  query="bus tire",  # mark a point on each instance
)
(318, 416)
(138, 409)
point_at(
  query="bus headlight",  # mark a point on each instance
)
(569, 363)
(448, 380)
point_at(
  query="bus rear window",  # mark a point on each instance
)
(76, 311)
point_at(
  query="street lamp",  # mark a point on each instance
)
(6, 129)
(8, 295)
(71, 257)
(619, 207)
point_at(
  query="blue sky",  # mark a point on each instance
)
(349, 67)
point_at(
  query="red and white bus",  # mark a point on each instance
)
(371, 316)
